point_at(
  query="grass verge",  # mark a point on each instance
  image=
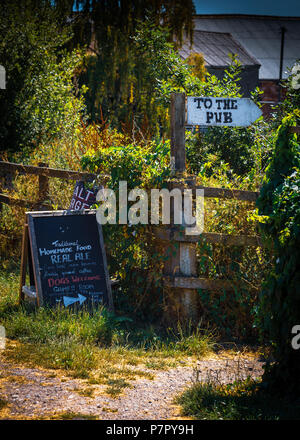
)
(100, 347)
(240, 400)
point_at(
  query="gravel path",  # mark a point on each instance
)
(36, 393)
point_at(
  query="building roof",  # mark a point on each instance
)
(215, 48)
(261, 38)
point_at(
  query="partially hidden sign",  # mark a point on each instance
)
(68, 259)
(82, 198)
(230, 112)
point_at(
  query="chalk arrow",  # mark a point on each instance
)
(81, 298)
(70, 300)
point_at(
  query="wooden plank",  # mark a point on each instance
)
(197, 283)
(49, 172)
(211, 192)
(24, 259)
(177, 114)
(36, 266)
(211, 237)
(225, 193)
(20, 202)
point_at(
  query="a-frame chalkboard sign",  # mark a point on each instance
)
(64, 252)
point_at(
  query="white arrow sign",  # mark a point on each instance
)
(69, 300)
(230, 112)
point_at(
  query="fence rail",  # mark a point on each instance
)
(225, 193)
(210, 237)
(180, 271)
(43, 172)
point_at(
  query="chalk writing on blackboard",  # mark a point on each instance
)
(69, 260)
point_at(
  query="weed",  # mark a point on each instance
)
(3, 403)
(68, 415)
(116, 386)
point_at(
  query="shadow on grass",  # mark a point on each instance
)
(244, 400)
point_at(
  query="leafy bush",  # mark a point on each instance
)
(279, 208)
(133, 251)
(240, 400)
(39, 103)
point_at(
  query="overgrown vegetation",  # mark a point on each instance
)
(241, 400)
(39, 103)
(275, 396)
(131, 70)
(279, 209)
(100, 347)
(135, 255)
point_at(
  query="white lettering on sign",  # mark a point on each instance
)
(231, 112)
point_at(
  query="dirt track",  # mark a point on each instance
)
(42, 394)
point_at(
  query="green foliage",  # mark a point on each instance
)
(133, 251)
(240, 400)
(98, 346)
(279, 207)
(39, 102)
(245, 150)
(290, 94)
(115, 72)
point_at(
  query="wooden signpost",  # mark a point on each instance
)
(221, 112)
(65, 253)
(206, 112)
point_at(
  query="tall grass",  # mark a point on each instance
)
(98, 346)
(241, 400)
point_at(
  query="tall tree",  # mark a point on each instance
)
(107, 27)
(39, 100)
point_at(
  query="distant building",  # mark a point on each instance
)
(271, 42)
(215, 48)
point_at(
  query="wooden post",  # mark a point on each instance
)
(188, 268)
(177, 159)
(181, 258)
(24, 257)
(43, 185)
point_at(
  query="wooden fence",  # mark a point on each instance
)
(8, 170)
(180, 271)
